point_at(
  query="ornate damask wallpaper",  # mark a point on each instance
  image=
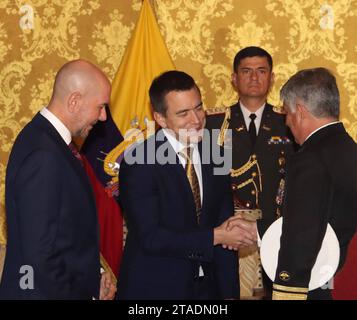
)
(202, 36)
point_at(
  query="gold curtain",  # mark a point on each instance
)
(38, 36)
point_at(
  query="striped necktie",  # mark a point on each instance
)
(187, 153)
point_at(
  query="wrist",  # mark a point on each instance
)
(217, 236)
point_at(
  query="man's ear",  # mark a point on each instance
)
(303, 113)
(234, 80)
(73, 102)
(160, 119)
(272, 79)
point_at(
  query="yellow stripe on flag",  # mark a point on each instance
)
(145, 58)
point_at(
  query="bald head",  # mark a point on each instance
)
(77, 75)
(79, 88)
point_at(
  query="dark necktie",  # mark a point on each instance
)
(193, 180)
(75, 152)
(252, 129)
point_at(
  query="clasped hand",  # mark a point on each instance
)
(237, 232)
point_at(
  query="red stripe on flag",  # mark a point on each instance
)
(110, 222)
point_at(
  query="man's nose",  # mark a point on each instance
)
(254, 74)
(195, 118)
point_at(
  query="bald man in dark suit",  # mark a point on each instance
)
(53, 240)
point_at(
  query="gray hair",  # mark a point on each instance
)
(317, 89)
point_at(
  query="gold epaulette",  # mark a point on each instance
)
(289, 293)
(224, 127)
(217, 110)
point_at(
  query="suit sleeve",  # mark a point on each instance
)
(139, 196)
(305, 218)
(39, 183)
(225, 261)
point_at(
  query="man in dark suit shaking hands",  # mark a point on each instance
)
(176, 206)
(53, 241)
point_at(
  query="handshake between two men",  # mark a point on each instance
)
(236, 232)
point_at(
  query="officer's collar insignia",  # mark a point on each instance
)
(284, 276)
(241, 128)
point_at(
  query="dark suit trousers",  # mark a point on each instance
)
(202, 289)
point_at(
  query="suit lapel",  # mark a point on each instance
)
(239, 129)
(42, 122)
(206, 170)
(265, 127)
(176, 169)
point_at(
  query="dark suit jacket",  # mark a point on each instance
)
(321, 189)
(51, 219)
(165, 246)
(273, 145)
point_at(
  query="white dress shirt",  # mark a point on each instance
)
(179, 147)
(247, 113)
(58, 124)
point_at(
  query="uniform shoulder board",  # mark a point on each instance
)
(216, 110)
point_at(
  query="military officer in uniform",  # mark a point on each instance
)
(321, 184)
(261, 143)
